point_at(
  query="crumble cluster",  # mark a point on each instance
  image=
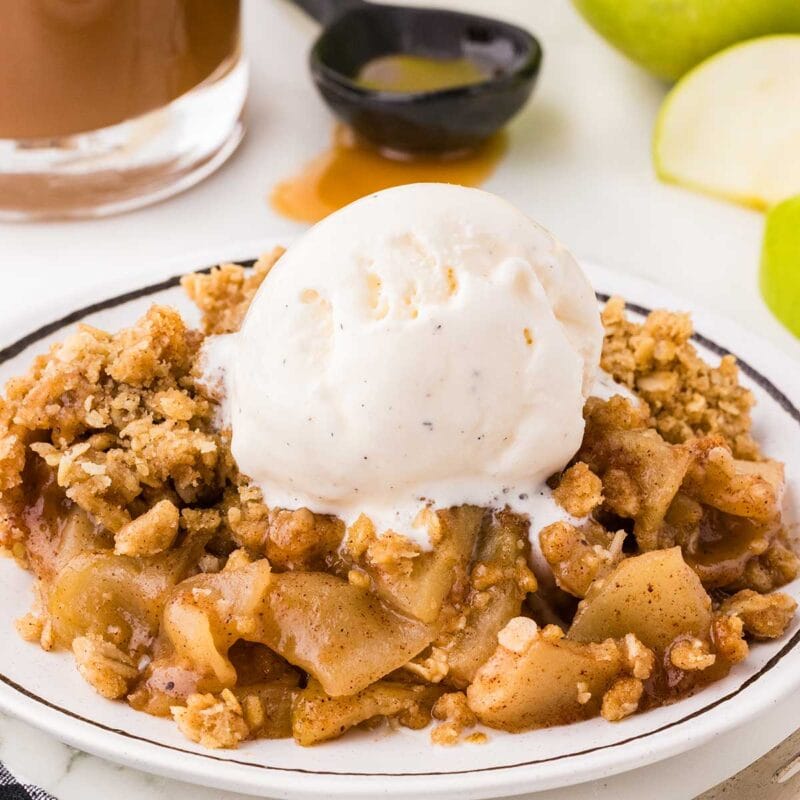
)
(687, 396)
(123, 427)
(223, 295)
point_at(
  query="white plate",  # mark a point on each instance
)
(46, 691)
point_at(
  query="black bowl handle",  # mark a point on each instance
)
(326, 11)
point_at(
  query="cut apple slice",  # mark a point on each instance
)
(780, 263)
(731, 127)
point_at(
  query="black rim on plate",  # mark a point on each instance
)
(22, 344)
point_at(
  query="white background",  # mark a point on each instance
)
(579, 162)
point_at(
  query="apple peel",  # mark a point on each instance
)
(731, 127)
(780, 264)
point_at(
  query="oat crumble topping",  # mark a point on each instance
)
(687, 397)
(622, 699)
(160, 567)
(211, 721)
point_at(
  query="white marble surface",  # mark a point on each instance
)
(579, 162)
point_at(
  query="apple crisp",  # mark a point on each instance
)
(159, 566)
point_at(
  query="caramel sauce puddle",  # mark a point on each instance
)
(351, 169)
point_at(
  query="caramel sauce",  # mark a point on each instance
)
(407, 73)
(726, 544)
(351, 169)
(668, 684)
(68, 67)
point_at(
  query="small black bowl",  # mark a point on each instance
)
(446, 120)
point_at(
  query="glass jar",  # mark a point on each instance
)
(107, 105)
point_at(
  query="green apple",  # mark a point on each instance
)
(731, 127)
(669, 37)
(780, 264)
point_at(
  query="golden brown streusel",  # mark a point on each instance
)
(394, 551)
(359, 537)
(433, 668)
(164, 571)
(728, 635)
(359, 578)
(519, 632)
(150, 533)
(245, 517)
(139, 456)
(212, 721)
(622, 699)
(579, 491)
(691, 655)
(301, 540)
(777, 566)
(238, 559)
(224, 294)
(457, 717)
(687, 397)
(764, 616)
(639, 660)
(578, 556)
(109, 670)
(485, 575)
(30, 627)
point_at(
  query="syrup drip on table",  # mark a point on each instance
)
(352, 168)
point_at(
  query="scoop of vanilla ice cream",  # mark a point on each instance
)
(426, 345)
